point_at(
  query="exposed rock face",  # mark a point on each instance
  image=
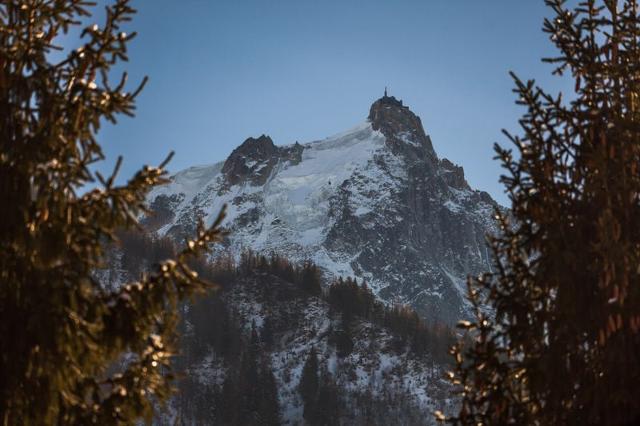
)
(163, 207)
(402, 128)
(254, 160)
(374, 202)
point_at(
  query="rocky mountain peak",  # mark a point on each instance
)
(402, 128)
(373, 202)
(256, 149)
(253, 161)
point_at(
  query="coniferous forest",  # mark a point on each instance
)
(353, 280)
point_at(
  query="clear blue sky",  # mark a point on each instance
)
(221, 71)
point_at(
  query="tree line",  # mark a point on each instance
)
(355, 300)
(349, 298)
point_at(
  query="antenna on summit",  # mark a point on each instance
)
(385, 91)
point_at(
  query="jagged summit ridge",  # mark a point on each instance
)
(402, 128)
(254, 159)
(374, 202)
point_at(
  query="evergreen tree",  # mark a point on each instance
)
(327, 407)
(562, 344)
(309, 384)
(64, 336)
(343, 337)
(268, 404)
(249, 391)
(230, 399)
(311, 279)
(267, 332)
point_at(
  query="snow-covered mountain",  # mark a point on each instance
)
(374, 202)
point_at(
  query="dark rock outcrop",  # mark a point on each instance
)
(403, 129)
(453, 175)
(254, 160)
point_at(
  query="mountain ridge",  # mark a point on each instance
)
(374, 202)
